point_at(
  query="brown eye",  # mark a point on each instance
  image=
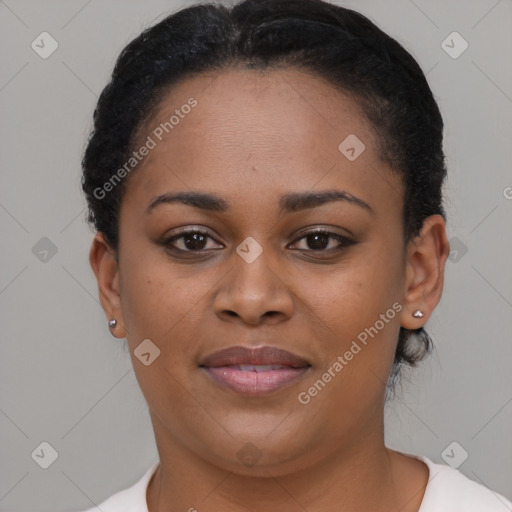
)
(323, 241)
(317, 241)
(194, 241)
(189, 241)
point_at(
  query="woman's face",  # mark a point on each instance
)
(267, 147)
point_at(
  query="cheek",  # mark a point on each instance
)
(357, 316)
(167, 304)
(355, 311)
(355, 293)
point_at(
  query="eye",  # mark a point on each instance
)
(323, 240)
(192, 240)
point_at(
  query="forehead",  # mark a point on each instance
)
(261, 131)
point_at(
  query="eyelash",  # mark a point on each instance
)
(344, 242)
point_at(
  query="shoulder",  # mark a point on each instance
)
(131, 499)
(448, 490)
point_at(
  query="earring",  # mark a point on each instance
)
(112, 323)
(418, 314)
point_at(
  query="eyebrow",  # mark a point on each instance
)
(288, 203)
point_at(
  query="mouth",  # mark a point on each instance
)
(254, 371)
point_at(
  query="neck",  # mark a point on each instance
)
(356, 478)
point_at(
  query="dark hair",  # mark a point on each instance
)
(333, 42)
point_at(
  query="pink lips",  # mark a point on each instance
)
(254, 370)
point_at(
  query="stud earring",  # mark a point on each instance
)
(112, 323)
(418, 314)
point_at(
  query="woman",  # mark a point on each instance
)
(265, 182)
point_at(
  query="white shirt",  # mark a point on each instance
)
(448, 490)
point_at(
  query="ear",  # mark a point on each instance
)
(425, 261)
(106, 269)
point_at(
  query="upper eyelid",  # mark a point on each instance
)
(319, 229)
(314, 228)
(185, 232)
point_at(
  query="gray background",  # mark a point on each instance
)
(66, 381)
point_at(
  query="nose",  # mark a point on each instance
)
(253, 293)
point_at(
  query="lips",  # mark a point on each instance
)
(264, 356)
(253, 371)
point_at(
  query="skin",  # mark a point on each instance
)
(253, 137)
